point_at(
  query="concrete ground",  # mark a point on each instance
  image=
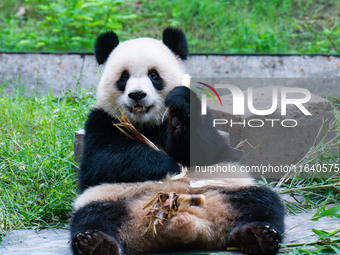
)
(56, 241)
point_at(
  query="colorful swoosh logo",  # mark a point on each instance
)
(209, 93)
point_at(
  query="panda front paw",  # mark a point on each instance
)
(179, 99)
(178, 103)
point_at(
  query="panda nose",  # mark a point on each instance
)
(137, 95)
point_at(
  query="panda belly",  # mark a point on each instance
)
(106, 218)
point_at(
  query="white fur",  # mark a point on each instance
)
(138, 57)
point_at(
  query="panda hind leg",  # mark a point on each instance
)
(256, 238)
(94, 243)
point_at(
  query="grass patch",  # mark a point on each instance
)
(317, 191)
(265, 26)
(37, 176)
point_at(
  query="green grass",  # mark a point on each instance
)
(311, 193)
(265, 26)
(37, 176)
(313, 188)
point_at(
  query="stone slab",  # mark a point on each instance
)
(56, 241)
(91, 72)
(31, 242)
(319, 86)
(263, 66)
(42, 72)
(275, 145)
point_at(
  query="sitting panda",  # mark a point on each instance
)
(142, 78)
(106, 219)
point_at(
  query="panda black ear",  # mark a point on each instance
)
(176, 41)
(104, 45)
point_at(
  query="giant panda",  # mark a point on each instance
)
(119, 176)
(142, 78)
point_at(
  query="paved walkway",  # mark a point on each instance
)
(56, 241)
(45, 242)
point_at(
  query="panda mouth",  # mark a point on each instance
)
(140, 108)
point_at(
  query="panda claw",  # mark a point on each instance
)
(80, 236)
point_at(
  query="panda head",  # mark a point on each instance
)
(139, 73)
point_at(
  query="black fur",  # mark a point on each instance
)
(123, 79)
(260, 219)
(109, 156)
(182, 103)
(176, 41)
(104, 45)
(94, 243)
(178, 141)
(156, 79)
(257, 203)
(105, 217)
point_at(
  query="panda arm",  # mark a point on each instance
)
(207, 145)
(109, 156)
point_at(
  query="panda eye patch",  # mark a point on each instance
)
(153, 74)
(155, 79)
(124, 77)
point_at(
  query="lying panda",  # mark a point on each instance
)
(142, 78)
(107, 216)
